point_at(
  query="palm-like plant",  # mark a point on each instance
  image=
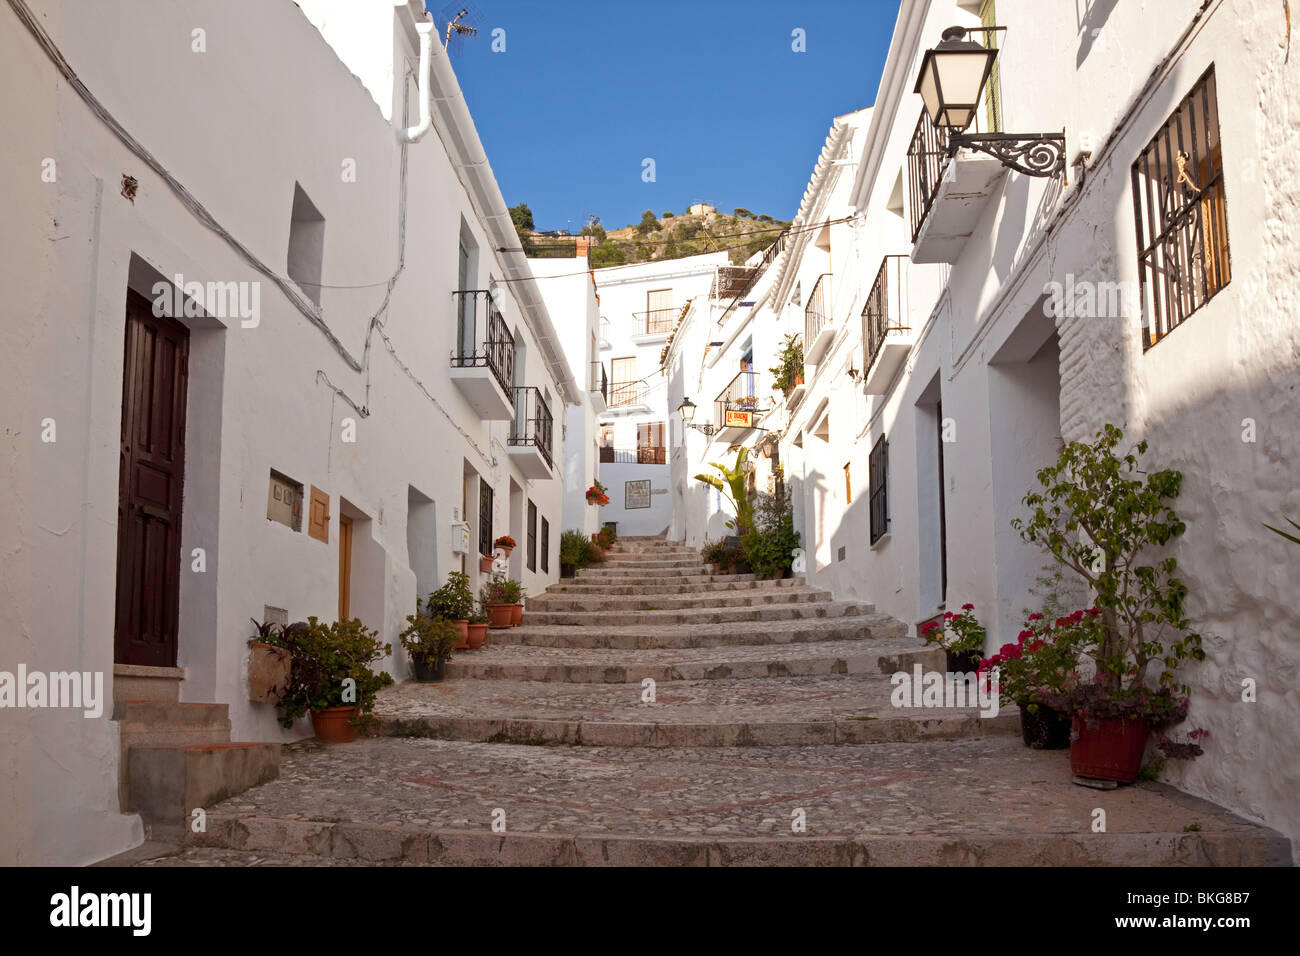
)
(1288, 536)
(732, 484)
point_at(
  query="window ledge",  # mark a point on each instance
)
(880, 542)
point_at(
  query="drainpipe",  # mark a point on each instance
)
(413, 134)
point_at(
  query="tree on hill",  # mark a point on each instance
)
(742, 213)
(649, 223)
(522, 217)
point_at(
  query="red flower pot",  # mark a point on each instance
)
(485, 563)
(500, 615)
(516, 615)
(463, 627)
(334, 724)
(477, 636)
(1108, 748)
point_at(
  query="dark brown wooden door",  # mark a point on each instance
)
(152, 471)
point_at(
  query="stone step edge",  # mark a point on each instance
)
(481, 847)
(745, 733)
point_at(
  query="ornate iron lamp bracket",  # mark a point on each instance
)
(1041, 154)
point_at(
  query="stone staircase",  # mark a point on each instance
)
(649, 712)
(177, 756)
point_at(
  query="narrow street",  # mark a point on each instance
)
(770, 739)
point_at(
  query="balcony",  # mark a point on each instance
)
(599, 387)
(605, 342)
(947, 193)
(628, 397)
(886, 337)
(732, 282)
(653, 325)
(483, 362)
(818, 323)
(641, 455)
(737, 407)
(531, 431)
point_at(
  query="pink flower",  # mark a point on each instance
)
(1036, 646)
(968, 607)
(1035, 617)
(1024, 634)
(948, 615)
(929, 626)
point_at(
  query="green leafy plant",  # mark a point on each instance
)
(1290, 537)
(957, 633)
(1095, 516)
(501, 591)
(429, 639)
(769, 545)
(575, 549)
(606, 537)
(331, 668)
(267, 632)
(454, 601)
(789, 372)
(732, 485)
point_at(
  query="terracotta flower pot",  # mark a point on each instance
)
(507, 551)
(1045, 728)
(333, 725)
(517, 615)
(463, 627)
(485, 563)
(268, 672)
(500, 615)
(477, 636)
(1108, 748)
(426, 672)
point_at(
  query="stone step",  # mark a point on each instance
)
(810, 711)
(563, 665)
(984, 802)
(166, 784)
(859, 627)
(551, 601)
(161, 715)
(716, 585)
(608, 572)
(641, 561)
(764, 614)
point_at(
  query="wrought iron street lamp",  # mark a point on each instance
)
(951, 84)
(687, 410)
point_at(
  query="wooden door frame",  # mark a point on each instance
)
(345, 567)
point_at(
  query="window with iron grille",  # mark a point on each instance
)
(878, 475)
(1181, 213)
(546, 546)
(484, 518)
(532, 536)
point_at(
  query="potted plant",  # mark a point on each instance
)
(732, 485)
(428, 642)
(1096, 517)
(478, 628)
(789, 373)
(1036, 668)
(454, 602)
(268, 663)
(498, 602)
(505, 543)
(331, 677)
(961, 636)
(597, 494)
(575, 553)
(606, 537)
(514, 594)
(769, 546)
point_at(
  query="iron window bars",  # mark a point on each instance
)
(1181, 214)
(883, 312)
(878, 476)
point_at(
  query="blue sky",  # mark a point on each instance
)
(711, 90)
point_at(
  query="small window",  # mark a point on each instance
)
(1182, 215)
(878, 475)
(546, 546)
(532, 536)
(306, 244)
(848, 484)
(284, 501)
(485, 497)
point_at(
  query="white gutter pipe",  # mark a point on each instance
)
(413, 134)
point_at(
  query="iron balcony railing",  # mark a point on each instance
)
(651, 455)
(626, 393)
(610, 455)
(738, 396)
(927, 156)
(733, 281)
(482, 337)
(655, 321)
(532, 423)
(817, 313)
(883, 314)
(599, 380)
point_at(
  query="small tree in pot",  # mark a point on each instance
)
(961, 636)
(454, 602)
(428, 642)
(1097, 518)
(331, 677)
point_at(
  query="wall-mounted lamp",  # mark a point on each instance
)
(951, 84)
(687, 410)
(853, 373)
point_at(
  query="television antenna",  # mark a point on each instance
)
(460, 20)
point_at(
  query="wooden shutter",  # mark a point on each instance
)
(318, 515)
(622, 370)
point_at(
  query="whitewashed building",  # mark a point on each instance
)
(995, 315)
(265, 358)
(640, 305)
